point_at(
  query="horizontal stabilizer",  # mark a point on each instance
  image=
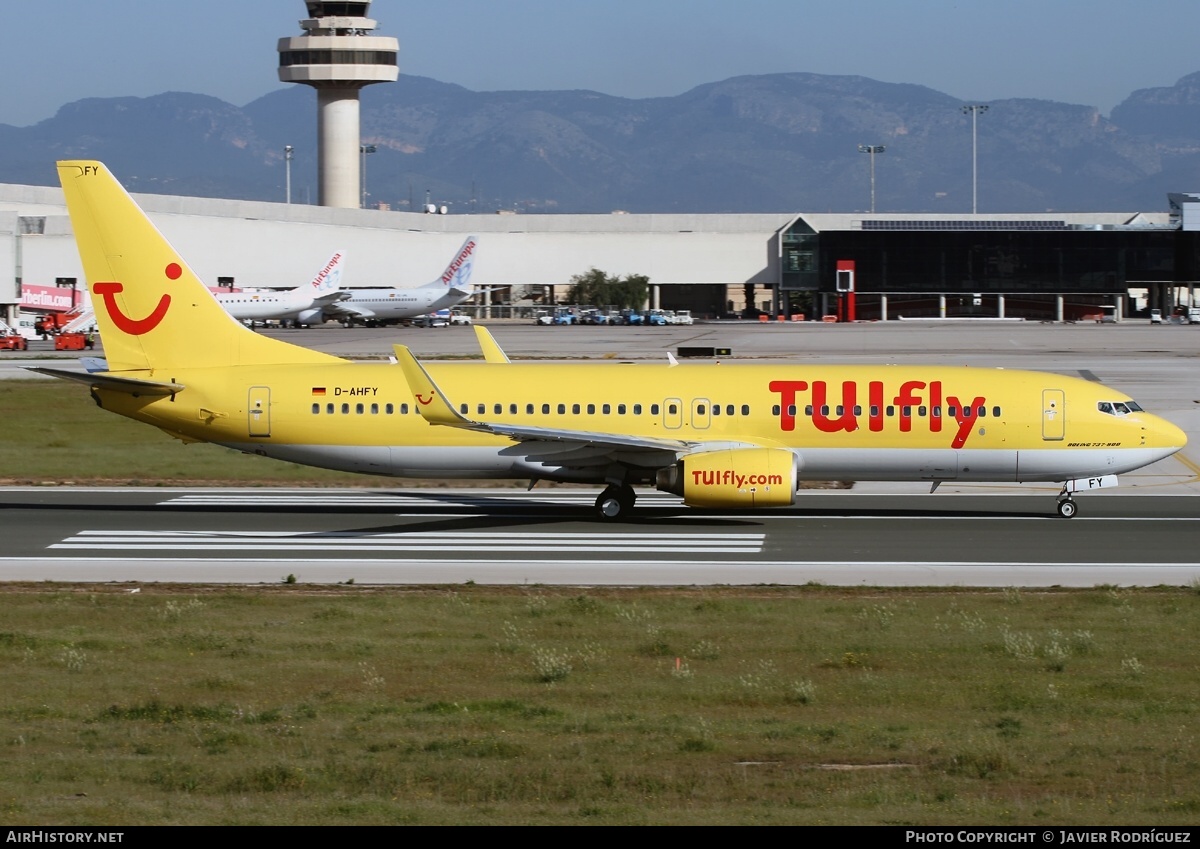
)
(128, 385)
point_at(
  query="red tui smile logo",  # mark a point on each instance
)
(423, 402)
(135, 326)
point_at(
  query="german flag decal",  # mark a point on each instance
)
(318, 390)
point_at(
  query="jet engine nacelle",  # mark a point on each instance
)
(313, 316)
(735, 477)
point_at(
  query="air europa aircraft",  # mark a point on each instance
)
(720, 435)
(374, 307)
(304, 303)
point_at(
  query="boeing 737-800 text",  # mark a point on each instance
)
(720, 435)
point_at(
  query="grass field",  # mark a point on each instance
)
(481, 705)
(54, 433)
(337, 705)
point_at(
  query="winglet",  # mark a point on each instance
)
(492, 352)
(433, 406)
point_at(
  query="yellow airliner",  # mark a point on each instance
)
(720, 435)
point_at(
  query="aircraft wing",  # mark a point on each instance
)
(128, 385)
(557, 445)
(345, 309)
(330, 298)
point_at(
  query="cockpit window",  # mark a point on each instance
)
(1118, 408)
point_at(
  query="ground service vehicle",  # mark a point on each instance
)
(722, 436)
(11, 340)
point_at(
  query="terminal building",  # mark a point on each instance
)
(1050, 267)
(1057, 267)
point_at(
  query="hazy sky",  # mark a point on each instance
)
(1092, 52)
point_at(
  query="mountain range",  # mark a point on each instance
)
(767, 143)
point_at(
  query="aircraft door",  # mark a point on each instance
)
(1054, 414)
(701, 413)
(672, 413)
(259, 411)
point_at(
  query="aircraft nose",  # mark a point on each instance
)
(1161, 433)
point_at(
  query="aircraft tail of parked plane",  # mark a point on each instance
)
(304, 304)
(720, 435)
(389, 305)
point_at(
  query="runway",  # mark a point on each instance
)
(454, 536)
(1143, 533)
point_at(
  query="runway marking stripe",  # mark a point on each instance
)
(598, 544)
(602, 537)
(756, 564)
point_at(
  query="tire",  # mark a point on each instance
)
(1067, 508)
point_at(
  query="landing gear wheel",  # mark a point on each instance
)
(1067, 508)
(615, 502)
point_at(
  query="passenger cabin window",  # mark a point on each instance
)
(316, 409)
(574, 409)
(654, 409)
(591, 409)
(389, 409)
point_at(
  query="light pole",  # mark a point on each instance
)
(288, 152)
(872, 149)
(365, 149)
(975, 112)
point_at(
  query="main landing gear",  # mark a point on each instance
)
(615, 502)
(1066, 505)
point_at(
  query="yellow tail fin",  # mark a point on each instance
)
(152, 311)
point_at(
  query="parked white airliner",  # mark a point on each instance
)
(304, 304)
(387, 306)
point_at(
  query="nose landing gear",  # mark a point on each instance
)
(1066, 505)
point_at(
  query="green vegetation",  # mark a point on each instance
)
(351, 704)
(54, 433)
(608, 290)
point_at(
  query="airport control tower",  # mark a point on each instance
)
(337, 55)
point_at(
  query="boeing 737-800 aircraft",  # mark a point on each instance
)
(720, 435)
(387, 306)
(302, 304)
